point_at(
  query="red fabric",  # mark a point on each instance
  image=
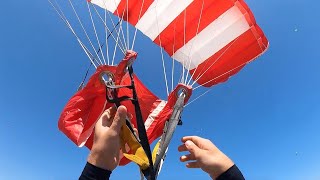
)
(212, 9)
(156, 128)
(225, 63)
(79, 116)
(85, 107)
(196, 17)
(134, 9)
(229, 60)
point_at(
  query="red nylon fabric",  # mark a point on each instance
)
(212, 9)
(134, 9)
(229, 60)
(81, 112)
(223, 64)
(83, 109)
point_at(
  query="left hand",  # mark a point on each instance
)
(205, 155)
(106, 144)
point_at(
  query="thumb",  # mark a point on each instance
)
(192, 148)
(119, 118)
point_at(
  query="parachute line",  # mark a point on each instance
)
(121, 47)
(87, 72)
(105, 22)
(173, 47)
(162, 56)
(136, 29)
(95, 31)
(117, 42)
(201, 74)
(184, 42)
(164, 70)
(122, 31)
(193, 44)
(84, 30)
(60, 13)
(229, 71)
(222, 75)
(195, 99)
(107, 37)
(90, 56)
(128, 25)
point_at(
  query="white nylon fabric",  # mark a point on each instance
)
(209, 41)
(213, 38)
(159, 15)
(110, 5)
(154, 114)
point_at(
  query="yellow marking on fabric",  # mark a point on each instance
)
(136, 153)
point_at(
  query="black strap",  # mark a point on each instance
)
(141, 128)
(143, 138)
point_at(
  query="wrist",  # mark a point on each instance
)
(98, 159)
(224, 164)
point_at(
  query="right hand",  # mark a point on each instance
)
(106, 144)
(205, 155)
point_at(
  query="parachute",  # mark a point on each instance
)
(213, 49)
(211, 39)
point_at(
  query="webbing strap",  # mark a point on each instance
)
(141, 128)
(149, 173)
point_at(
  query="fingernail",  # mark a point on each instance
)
(122, 110)
(188, 143)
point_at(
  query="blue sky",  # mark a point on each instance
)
(266, 118)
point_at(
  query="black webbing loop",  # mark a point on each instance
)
(141, 128)
(143, 138)
(116, 100)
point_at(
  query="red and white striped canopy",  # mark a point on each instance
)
(213, 39)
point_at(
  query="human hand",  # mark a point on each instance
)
(205, 155)
(106, 145)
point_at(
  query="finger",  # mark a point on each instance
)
(109, 113)
(106, 117)
(119, 118)
(192, 148)
(182, 148)
(193, 165)
(112, 110)
(194, 139)
(200, 142)
(188, 157)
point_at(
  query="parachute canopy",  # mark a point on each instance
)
(213, 39)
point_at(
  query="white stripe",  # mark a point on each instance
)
(154, 114)
(110, 5)
(159, 15)
(213, 38)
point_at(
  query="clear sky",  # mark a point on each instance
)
(266, 118)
